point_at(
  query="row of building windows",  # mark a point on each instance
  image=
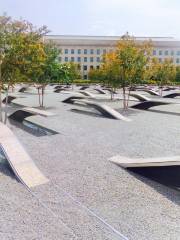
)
(104, 51)
(166, 53)
(177, 60)
(79, 59)
(85, 51)
(85, 67)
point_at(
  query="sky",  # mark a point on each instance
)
(158, 18)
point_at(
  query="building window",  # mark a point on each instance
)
(91, 59)
(166, 53)
(72, 51)
(72, 59)
(66, 59)
(85, 67)
(160, 60)
(92, 51)
(98, 59)
(85, 76)
(79, 59)
(66, 51)
(104, 51)
(85, 51)
(172, 53)
(91, 67)
(60, 59)
(79, 51)
(85, 59)
(160, 52)
(177, 60)
(178, 53)
(97, 67)
(98, 51)
(154, 52)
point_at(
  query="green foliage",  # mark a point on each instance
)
(68, 72)
(177, 75)
(162, 73)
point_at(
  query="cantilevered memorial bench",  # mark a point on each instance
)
(22, 165)
(110, 90)
(148, 104)
(105, 110)
(23, 89)
(71, 99)
(100, 91)
(8, 99)
(58, 86)
(145, 162)
(20, 114)
(151, 92)
(58, 90)
(88, 94)
(83, 87)
(139, 97)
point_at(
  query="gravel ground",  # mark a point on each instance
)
(76, 161)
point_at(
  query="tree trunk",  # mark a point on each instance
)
(124, 98)
(5, 109)
(39, 97)
(128, 97)
(42, 105)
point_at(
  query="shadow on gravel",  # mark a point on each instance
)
(88, 113)
(165, 112)
(169, 176)
(33, 128)
(5, 168)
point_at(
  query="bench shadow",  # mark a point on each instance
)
(32, 128)
(163, 112)
(88, 113)
(167, 177)
(5, 167)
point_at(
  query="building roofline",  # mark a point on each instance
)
(102, 36)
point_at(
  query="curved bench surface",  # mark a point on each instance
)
(21, 114)
(84, 87)
(23, 89)
(148, 104)
(100, 91)
(110, 90)
(72, 99)
(9, 99)
(151, 92)
(58, 90)
(145, 162)
(86, 93)
(20, 162)
(103, 109)
(140, 97)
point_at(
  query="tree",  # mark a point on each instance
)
(68, 72)
(163, 73)
(47, 71)
(21, 52)
(133, 59)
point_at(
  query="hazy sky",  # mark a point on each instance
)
(100, 17)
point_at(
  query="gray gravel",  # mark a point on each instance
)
(76, 162)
